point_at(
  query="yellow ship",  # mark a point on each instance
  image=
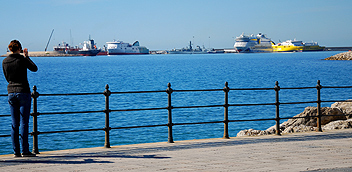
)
(288, 46)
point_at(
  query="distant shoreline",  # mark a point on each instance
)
(56, 54)
(45, 54)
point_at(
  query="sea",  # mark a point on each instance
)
(128, 73)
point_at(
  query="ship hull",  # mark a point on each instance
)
(89, 52)
(313, 48)
(289, 48)
(126, 53)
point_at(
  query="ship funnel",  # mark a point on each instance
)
(136, 43)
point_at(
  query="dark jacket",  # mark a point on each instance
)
(15, 70)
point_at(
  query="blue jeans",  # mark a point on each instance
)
(20, 107)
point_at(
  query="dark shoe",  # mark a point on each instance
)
(28, 154)
(16, 155)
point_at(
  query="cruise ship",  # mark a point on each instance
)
(122, 48)
(253, 44)
(289, 46)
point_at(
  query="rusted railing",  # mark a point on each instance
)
(107, 93)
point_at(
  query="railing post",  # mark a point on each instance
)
(107, 128)
(277, 104)
(226, 111)
(319, 107)
(169, 108)
(35, 114)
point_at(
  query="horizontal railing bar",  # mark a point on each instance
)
(190, 123)
(188, 107)
(260, 104)
(72, 94)
(336, 86)
(68, 131)
(179, 107)
(296, 88)
(143, 126)
(5, 135)
(4, 115)
(198, 90)
(157, 91)
(243, 89)
(247, 120)
(123, 110)
(336, 101)
(52, 113)
(314, 116)
(132, 92)
(291, 103)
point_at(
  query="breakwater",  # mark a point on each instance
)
(46, 54)
(341, 56)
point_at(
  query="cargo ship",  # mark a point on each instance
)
(89, 49)
(122, 48)
(288, 46)
(253, 44)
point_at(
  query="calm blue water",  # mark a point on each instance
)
(153, 72)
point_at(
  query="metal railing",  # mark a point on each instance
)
(107, 93)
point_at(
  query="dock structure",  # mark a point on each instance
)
(338, 48)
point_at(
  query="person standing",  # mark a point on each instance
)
(15, 68)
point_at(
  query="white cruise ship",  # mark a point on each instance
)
(253, 44)
(122, 48)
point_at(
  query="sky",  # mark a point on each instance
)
(168, 24)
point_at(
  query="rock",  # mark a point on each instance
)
(312, 121)
(341, 124)
(251, 132)
(345, 107)
(300, 128)
(341, 56)
(304, 122)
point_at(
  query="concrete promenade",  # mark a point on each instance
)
(311, 151)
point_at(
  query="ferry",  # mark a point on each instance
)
(288, 46)
(253, 44)
(122, 48)
(190, 50)
(89, 48)
(312, 46)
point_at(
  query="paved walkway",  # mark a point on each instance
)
(313, 151)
